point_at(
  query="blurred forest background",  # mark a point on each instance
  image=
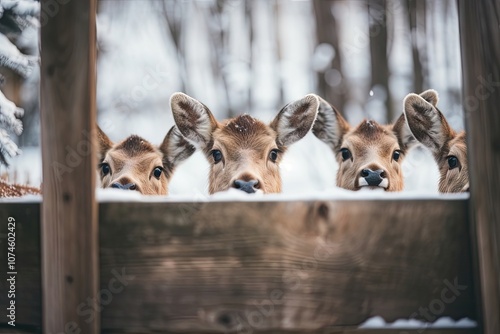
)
(254, 56)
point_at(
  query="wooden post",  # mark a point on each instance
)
(480, 38)
(69, 230)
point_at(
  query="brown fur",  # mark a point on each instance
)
(134, 160)
(371, 146)
(430, 127)
(245, 142)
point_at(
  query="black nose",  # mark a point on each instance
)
(128, 186)
(373, 178)
(246, 186)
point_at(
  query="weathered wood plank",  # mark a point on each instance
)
(201, 267)
(27, 253)
(334, 330)
(480, 39)
(69, 212)
(301, 265)
(19, 331)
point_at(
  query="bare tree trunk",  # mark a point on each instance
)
(249, 20)
(218, 29)
(378, 51)
(414, 12)
(327, 32)
(277, 15)
(173, 18)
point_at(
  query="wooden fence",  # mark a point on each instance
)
(320, 266)
(248, 267)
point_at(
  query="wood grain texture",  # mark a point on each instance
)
(270, 266)
(11, 330)
(334, 330)
(28, 280)
(480, 44)
(289, 265)
(69, 212)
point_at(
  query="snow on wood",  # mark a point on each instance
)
(443, 322)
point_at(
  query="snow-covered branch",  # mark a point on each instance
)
(20, 7)
(20, 14)
(7, 147)
(10, 114)
(12, 58)
(9, 118)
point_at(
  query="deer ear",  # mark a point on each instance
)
(402, 131)
(426, 122)
(104, 142)
(193, 119)
(295, 120)
(175, 149)
(330, 127)
(430, 96)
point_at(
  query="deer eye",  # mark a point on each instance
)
(157, 172)
(452, 161)
(105, 169)
(273, 155)
(217, 155)
(396, 155)
(346, 154)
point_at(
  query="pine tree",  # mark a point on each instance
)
(15, 17)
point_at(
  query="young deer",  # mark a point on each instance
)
(243, 152)
(369, 155)
(135, 164)
(449, 147)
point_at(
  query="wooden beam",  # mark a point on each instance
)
(480, 39)
(307, 266)
(69, 212)
(333, 330)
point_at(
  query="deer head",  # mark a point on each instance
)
(243, 152)
(136, 164)
(449, 148)
(370, 154)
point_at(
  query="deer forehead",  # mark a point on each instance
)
(121, 161)
(370, 137)
(244, 133)
(135, 146)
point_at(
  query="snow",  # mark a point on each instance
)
(12, 58)
(21, 7)
(26, 168)
(10, 114)
(443, 322)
